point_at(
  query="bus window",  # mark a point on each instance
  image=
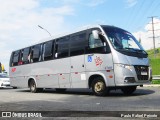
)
(98, 45)
(26, 52)
(48, 50)
(77, 44)
(15, 58)
(36, 53)
(62, 47)
(20, 61)
(94, 43)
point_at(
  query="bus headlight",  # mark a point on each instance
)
(129, 67)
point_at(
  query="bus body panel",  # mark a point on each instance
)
(19, 75)
(43, 74)
(50, 74)
(62, 68)
(130, 60)
(78, 76)
(122, 73)
(101, 64)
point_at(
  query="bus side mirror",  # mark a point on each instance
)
(95, 34)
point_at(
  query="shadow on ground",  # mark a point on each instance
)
(112, 93)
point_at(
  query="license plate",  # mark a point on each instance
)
(144, 73)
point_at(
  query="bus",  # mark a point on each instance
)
(100, 57)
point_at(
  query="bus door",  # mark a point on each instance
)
(99, 58)
(77, 48)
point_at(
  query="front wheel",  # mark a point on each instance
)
(99, 87)
(128, 90)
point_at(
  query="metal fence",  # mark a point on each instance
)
(155, 77)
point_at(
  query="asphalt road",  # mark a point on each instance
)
(143, 99)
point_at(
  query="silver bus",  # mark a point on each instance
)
(101, 58)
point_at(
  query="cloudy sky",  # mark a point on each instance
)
(19, 20)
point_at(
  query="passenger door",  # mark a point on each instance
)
(77, 48)
(98, 58)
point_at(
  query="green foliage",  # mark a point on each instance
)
(155, 64)
(154, 61)
(151, 53)
(155, 81)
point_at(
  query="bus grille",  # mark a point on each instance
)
(142, 72)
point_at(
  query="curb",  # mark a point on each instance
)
(152, 85)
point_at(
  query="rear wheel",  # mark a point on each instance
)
(33, 87)
(99, 87)
(128, 90)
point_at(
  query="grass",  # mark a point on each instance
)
(155, 63)
(155, 81)
(151, 53)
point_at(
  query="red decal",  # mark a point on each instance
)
(110, 76)
(13, 69)
(98, 61)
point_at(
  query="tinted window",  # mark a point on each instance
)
(20, 61)
(36, 53)
(62, 47)
(25, 55)
(48, 50)
(94, 43)
(15, 58)
(77, 44)
(97, 45)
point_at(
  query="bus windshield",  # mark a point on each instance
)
(123, 40)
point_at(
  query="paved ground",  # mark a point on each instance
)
(144, 99)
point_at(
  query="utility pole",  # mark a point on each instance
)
(153, 32)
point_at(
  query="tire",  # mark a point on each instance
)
(128, 90)
(33, 87)
(99, 87)
(60, 90)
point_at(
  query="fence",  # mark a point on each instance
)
(155, 77)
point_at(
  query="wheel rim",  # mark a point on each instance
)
(99, 86)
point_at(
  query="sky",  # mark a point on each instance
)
(19, 20)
